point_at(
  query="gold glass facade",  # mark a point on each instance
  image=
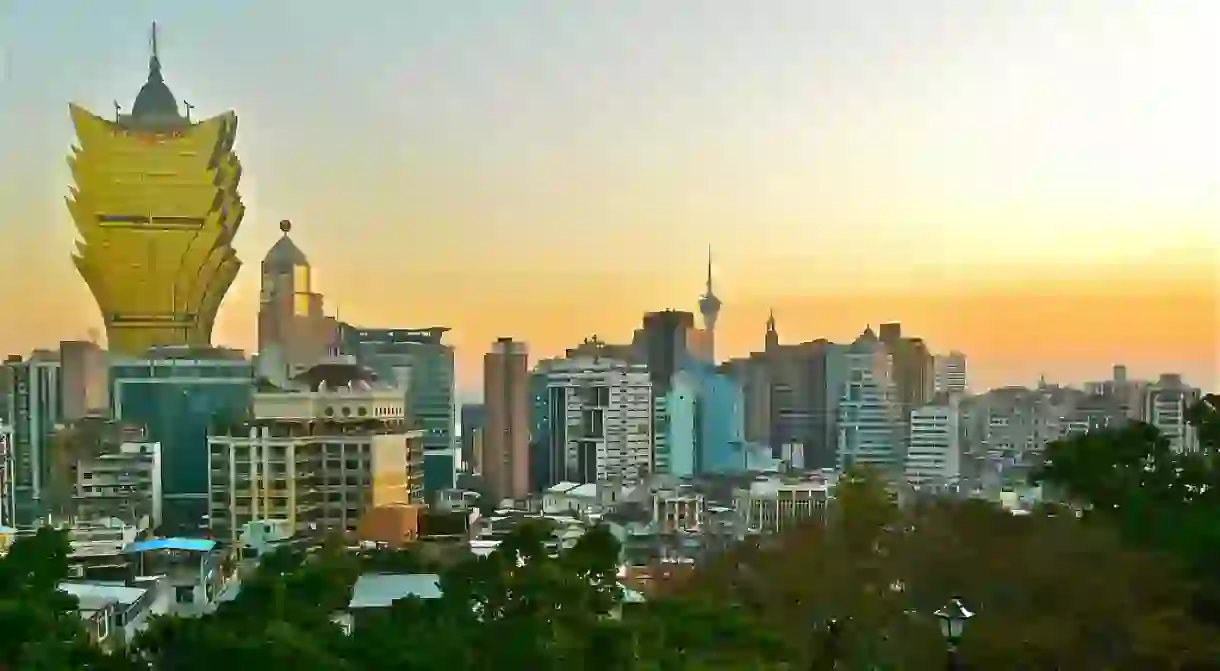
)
(156, 208)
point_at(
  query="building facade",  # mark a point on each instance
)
(7, 500)
(319, 454)
(294, 333)
(156, 206)
(771, 505)
(123, 483)
(676, 428)
(870, 424)
(420, 363)
(1166, 403)
(85, 379)
(950, 373)
(179, 394)
(933, 455)
(606, 412)
(472, 423)
(506, 401)
(34, 410)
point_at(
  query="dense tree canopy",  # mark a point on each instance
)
(1159, 499)
(1051, 591)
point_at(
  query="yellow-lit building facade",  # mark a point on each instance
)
(319, 455)
(156, 206)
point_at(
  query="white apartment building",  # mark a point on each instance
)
(870, 426)
(950, 373)
(1165, 404)
(317, 455)
(934, 445)
(606, 434)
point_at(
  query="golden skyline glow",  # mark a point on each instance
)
(1036, 184)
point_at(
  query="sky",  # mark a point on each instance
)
(1033, 182)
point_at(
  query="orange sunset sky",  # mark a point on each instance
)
(1034, 183)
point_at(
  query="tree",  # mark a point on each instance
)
(40, 625)
(1158, 498)
(1052, 591)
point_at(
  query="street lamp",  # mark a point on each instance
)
(831, 639)
(953, 616)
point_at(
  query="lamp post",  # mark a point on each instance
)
(953, 616)
(832, 632)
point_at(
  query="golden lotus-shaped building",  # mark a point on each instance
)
(156, 205)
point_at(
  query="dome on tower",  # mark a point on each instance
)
(284, 253)
(155, 100)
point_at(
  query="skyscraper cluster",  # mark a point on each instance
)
(330, 419)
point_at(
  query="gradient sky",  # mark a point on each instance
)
(1034, 182)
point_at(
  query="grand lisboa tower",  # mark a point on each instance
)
(156, 206)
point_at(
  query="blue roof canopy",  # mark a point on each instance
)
(188, 544)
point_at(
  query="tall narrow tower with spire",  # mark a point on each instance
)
(709, 307)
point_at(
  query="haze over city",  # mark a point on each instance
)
(1034, 183)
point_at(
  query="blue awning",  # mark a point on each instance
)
(188, 544)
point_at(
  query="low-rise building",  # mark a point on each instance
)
(195, 571)
(115, 612)
(374, 594)
(124, 483)
(318, 455)
(775, 504)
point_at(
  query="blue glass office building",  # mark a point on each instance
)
(178, 394)
(422, 364)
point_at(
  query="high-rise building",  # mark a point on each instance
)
(933, 455)
(914, 372)
(709, 307)
(419, 362)
(320, 454)
(7, 514)
(663, 342)
(605, 435)
(34, 410)
(294, 333)
(870, 423)
(472, 433)
(676, 428)
(156, 207)
(85, 377)
(506, 401)
(950, 375)
(179, 393)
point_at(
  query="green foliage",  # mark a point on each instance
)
(39, 626)
(1159, 499)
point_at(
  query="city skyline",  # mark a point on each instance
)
(1110, 240)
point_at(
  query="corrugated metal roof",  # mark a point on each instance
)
(188, 544)
(379, 590)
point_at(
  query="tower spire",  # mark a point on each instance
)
(709, 270)
(154, 60)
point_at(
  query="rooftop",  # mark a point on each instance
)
(187, 544)
(93, 595)
(379, 590)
